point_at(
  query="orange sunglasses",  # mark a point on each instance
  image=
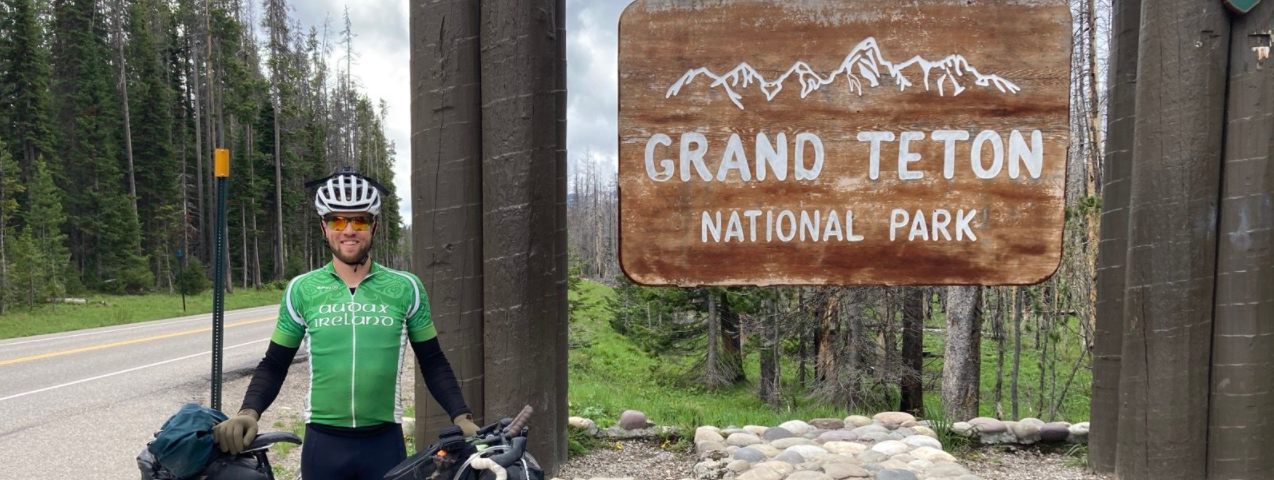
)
(339, 223)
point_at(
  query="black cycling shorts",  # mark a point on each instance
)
(332, 457)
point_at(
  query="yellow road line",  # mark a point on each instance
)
(127, 342)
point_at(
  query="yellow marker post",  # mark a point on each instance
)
(223, 163)
(222, 171)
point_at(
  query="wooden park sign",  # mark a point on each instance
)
(840, 142)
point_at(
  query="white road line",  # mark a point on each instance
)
(99, 377)
(207, 316)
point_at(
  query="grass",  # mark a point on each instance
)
(609, 374)
(108, 310)
(1075, 407)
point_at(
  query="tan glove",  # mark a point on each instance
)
(237, 432)
(465, 422)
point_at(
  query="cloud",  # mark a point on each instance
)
(382, 59)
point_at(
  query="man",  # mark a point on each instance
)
(356, 317)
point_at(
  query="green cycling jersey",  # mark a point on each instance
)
(356, 341)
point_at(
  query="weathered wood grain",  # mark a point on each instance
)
(1018, 221)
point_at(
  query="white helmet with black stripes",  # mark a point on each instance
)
(347, 192)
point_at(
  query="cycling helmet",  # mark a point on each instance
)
(347, 191)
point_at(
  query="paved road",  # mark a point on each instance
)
(83, 404)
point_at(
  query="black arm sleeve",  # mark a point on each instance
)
(268, 377)
(439, 378)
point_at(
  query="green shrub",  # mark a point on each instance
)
(193, 280)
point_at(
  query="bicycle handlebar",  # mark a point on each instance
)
(519, 421)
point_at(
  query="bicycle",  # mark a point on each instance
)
(253, 463)
(496, 452)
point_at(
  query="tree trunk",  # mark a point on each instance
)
(712, 376)
(1108, 321)
(193, 89)
(732, 347)
(128, 127)
(769, 358)
(913, 397)
(280, 249)
(1017, 349)
(962, 354)
(1000, 342)
(825, 354)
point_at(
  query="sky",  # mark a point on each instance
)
(382, 61)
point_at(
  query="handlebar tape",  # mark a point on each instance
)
(519, 421)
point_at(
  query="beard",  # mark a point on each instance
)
(350, 259)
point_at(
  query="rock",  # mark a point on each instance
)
(872, 456)
(850, 448)
(811, 435)
(865, 429)
(919, 466)
(987, 425)
(910, 424)
(714, 455)
(611, 478)
(739, 466)
(710, 470)
(731, 449)
(839, 471)
(776, 433)
(781, 467)
(837, 458)
(790, 456)
(895, 474)
(890, 447)
(755, 429)
(1026, 433)
(731, 431)
(809, 475)
(828, 423)
(797, 427)
(808, 452)
(964, 429)
(904, 431)
(750, 455)
(946, 470)
(931, 454)
(894, 464)
(784, 443)
(704, 447)
(1054, 432)
(807, 466)
(766, 448)
(632, 420)
(742, 439)
(409, 424)
(1031, 421)
(1079, 433)
(578, 423)
(872, 467)
(708, 434)
(758, 473)
(893, 419)
(857, 421)
(878, 437)
(968, 476)
(836, 436)
(922, 441)
(926, 431)
(904, 458)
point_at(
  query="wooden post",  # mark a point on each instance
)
(447, 195)
(1113, 246)
(1242, 389)
(523, 227)
(1171, 260)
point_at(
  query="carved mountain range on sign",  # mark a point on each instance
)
(864, 66)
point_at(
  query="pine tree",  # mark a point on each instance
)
(24, 257)
(155, 165)
(104, 232)
(10, 187)
(24, 86)
(44, 221)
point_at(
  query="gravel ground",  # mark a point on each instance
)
(1027, 465)
(636, 459)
